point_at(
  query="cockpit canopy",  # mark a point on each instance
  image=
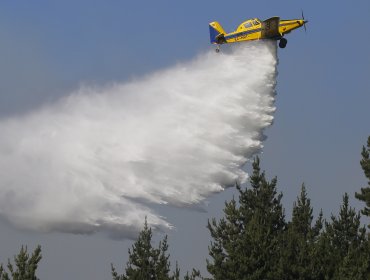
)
(250, 23)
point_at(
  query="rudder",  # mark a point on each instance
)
(215, 29)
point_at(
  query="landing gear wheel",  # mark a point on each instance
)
(282, 43)
(217, 50)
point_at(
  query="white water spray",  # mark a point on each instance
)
(92, 161)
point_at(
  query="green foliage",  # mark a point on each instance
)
(344, 246)
(246, 242)
(25, 266)
(195, 274)
(297, 252)
(146, 262)
(253, 240)
(364, 195)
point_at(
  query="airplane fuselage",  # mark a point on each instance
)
(253, 30)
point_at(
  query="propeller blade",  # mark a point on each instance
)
(304, 21)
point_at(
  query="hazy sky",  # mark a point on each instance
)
(49, 49)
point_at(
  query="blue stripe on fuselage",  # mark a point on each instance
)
(243, 33)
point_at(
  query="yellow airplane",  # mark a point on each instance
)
(255, 29)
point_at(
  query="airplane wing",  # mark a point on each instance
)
(270, 28)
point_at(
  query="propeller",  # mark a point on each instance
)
(304, 22)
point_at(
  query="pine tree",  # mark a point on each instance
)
(246, 242)
(364, 195)
(195, 274)
(345, 246)
(146, 262)
(25, 266)
(299, 240)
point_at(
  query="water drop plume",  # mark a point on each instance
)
(98, 159)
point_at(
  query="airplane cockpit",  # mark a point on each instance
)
(251, 23)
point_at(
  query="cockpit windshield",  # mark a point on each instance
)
(248, 24)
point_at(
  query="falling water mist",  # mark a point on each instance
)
(98, 159)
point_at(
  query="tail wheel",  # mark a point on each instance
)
(282, 43)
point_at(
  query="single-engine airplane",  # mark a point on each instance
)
(254, 29)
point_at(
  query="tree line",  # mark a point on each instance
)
(253, 240)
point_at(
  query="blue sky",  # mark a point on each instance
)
(49, 48)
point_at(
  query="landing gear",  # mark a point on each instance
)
(282, 43)
(217, 49)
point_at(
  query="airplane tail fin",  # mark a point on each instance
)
(215, 29)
